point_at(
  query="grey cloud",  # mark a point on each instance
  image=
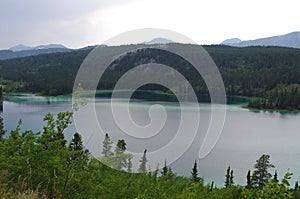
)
(29, 21)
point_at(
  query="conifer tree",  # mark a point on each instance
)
(194, 173)
(261, 173)
(143, 162)
(107, 145)
(249, 184)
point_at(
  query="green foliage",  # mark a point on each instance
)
(273, 190)
(143, 162)
(282, 98)
(2, 131)
(249, 182)
(194, 174)
(261, 175)
(107, 145)
(42, 165)
(229, 178)
(249, 71)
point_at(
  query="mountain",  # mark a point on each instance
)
(24, 51)
(20, 47)
(158, 41)
(288, 40)
(231, 41)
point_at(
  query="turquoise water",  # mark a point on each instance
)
(246, 134)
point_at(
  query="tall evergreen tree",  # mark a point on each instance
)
(296, 188)
(261, 173)
(121, 147)
(194, 173)
(107, 145)
(227, 177)
(231, 178)
(165, 169)
(121, 157)
(2, 131)
(249, 183)
(76, 143)
(143, 162)
(275, 178)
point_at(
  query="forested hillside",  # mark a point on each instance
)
(249, 71)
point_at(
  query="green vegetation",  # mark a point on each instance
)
(266, 73)
(280, 98)
(45, 165)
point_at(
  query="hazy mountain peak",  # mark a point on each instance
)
(49, 46)
(159, 41)
(20, 47)
(231, 41)
(287, 40)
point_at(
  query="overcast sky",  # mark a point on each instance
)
(78, 23)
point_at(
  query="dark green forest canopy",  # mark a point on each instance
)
(249, 71)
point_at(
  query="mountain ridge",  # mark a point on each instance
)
(291, 40)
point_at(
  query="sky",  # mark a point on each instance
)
(79, 23)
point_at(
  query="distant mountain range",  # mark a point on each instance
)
(22, 47)
(288, 40)
(24, 51)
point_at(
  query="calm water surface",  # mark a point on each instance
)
(246, 135)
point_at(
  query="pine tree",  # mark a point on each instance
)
(1, 98)
(76, 147)
(194, 173)
(120, 156)
(275, 178)
(143, 161)
(227, 178)
(165, 169)
(249, 183)
(231, 178)
(2, 131)
(121, 147)
(296, 186)
(76, 143)
(261, 174)
(212, 186)
(107, 145)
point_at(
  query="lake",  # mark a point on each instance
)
(246, 134)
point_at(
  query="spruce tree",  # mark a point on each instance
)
(194, 173)
(107, 145)
(296, 186)
(227, 178)
(275, 178)
(231, 178)
(120, 155)
(143, 162)
(76, 143)
(261, 173)
(2, 131)
(249, 183)
(121, 147)
(165, 169)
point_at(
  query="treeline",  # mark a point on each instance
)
(286, 98)
(45, 165)
(249, 71)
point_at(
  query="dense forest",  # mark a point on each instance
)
(262, 72)
(44, 165)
